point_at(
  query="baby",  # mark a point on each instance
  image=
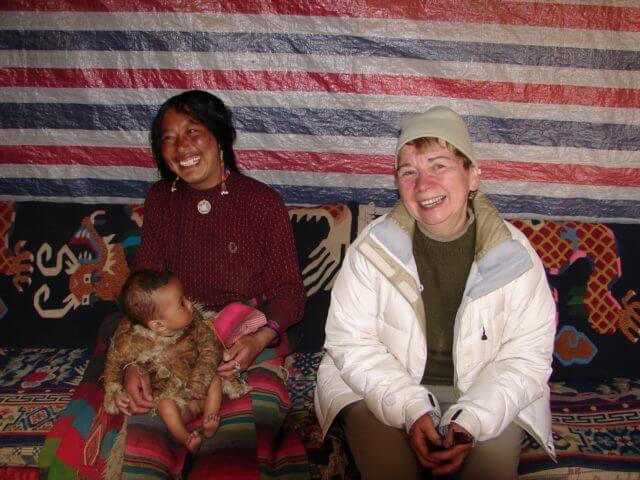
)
(165, 336)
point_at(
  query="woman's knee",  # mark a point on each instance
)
(379, 451)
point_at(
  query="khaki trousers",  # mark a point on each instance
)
(383, 452)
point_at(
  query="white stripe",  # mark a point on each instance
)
(557, 155)
(328, 144)
(323, 100)
(323, 179)
(54, 137)
(78, 171)
(302, 24)
(317, 144)
(487, 72)
(557, 190)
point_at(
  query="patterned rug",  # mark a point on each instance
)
(596, 425)
(35, 386)
(596, 422)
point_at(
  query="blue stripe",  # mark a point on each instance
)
(314, 44)
(294, 194)
(343, 122)
(38, 187)
(77, 116)
(566, 207)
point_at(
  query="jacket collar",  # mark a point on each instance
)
(389, 246)
(490, 227)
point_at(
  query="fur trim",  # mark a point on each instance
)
(113, 468)
(156, 355)
(111, 390)
(156, 337)
(206, 314)
(235, 388)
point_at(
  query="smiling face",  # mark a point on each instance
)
(434, 187)
(173, 311)
(190, 150)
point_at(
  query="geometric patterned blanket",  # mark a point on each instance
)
(35, 386)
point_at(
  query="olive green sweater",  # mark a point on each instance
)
(443, 267)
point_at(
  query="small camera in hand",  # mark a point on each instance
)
(459, 438)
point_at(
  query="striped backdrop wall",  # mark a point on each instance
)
(550, 91)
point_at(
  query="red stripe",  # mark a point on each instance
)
(559, 173)
(473, 11)
(247, 159)
(322, 82)
(76, 155)
(319, 162)
(323, 162)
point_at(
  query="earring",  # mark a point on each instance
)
(472, 195)
(173, 185)
(224, 173)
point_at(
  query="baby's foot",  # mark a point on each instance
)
(193, 442)
(210, 425)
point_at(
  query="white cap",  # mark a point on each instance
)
(439, 122)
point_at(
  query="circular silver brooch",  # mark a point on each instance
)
(204, 207)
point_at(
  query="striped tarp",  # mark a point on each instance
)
(550, 91)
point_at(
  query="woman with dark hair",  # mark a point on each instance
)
(229, 239)
(208, 110)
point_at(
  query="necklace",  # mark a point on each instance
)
(204, 206)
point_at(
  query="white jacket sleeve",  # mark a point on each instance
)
(518, 374)
(364, 362)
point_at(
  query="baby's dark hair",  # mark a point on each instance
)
(136, 296)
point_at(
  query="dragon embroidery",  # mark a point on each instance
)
(97, 273)
(325, 259)
(16, 264)
(559, 245)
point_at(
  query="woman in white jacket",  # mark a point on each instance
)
(440, 333)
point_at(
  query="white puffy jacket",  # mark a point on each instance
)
(502, 341)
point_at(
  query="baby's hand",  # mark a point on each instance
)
(122, 402)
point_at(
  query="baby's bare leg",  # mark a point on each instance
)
(211, 419)
(175, 422)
